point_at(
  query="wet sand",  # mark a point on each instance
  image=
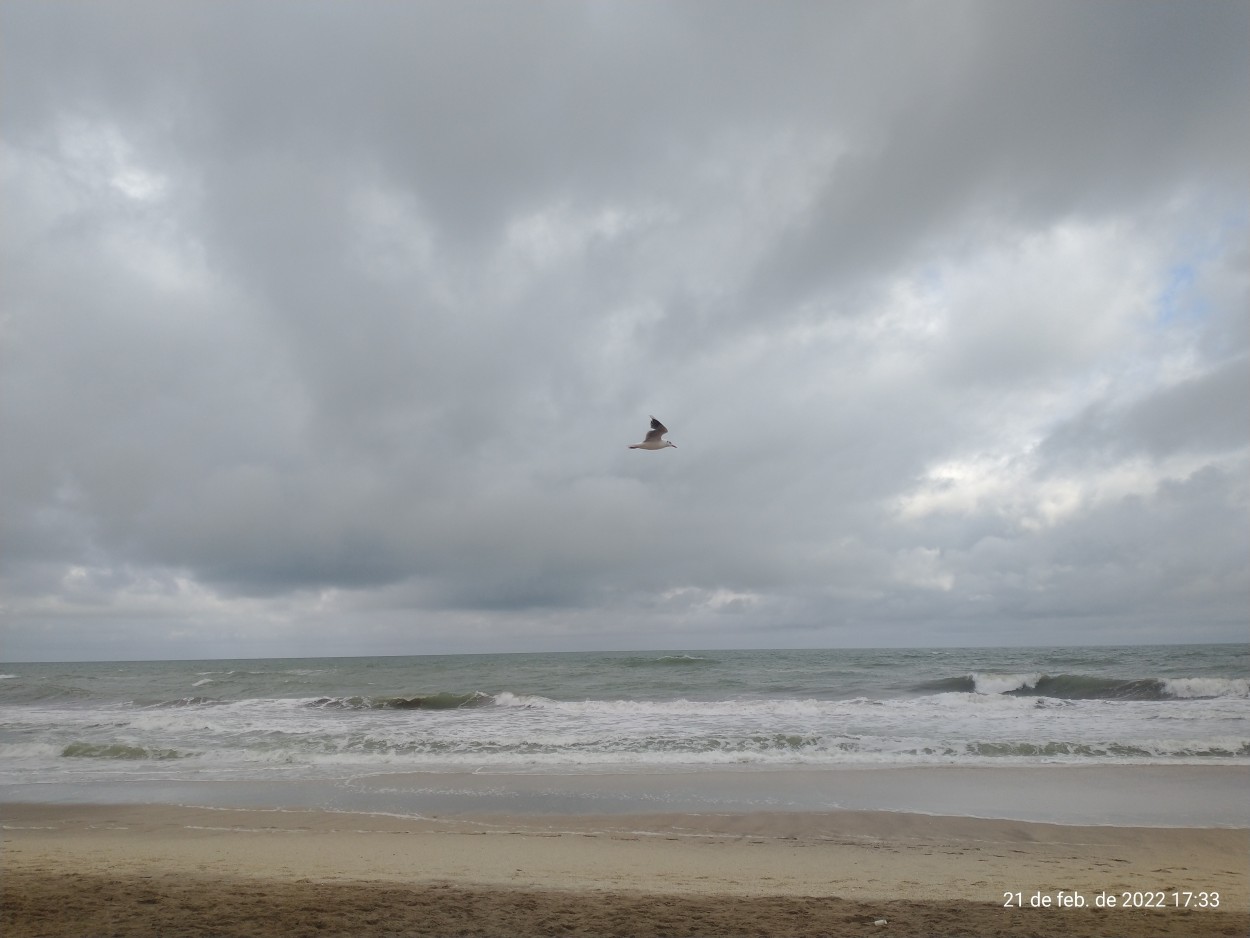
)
(1197, 796)
(171, 871)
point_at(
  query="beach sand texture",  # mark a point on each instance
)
(171, 871)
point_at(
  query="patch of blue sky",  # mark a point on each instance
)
(1182, 299)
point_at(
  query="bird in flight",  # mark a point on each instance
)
(653, 440)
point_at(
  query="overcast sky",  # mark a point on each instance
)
(325, 327)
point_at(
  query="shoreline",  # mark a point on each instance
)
(1178, 796)
(143, 869)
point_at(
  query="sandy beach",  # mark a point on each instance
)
(166, 870)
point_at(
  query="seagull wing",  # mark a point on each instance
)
(657, 430)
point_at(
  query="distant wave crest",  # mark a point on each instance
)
(662, 661)
(186, 702)
(441, 701)
(1090, 687)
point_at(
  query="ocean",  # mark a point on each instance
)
(332, 718)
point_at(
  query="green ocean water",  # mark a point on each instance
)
(308, 718)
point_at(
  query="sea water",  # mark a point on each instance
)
(569, 713)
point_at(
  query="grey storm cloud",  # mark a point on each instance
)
(324, 327)
(1203, 415)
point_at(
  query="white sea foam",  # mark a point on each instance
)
(681, 706)
(1004, 683)
(28, 750)
(1191, 687)
(572, 713)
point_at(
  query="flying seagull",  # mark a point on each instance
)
(653, 440)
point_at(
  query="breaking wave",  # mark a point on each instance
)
(1090, 687)
(82, 750)
(638, 709)
(442, 701)
(187, 702)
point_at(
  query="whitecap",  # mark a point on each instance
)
(1190, 687)
(1004, 683)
